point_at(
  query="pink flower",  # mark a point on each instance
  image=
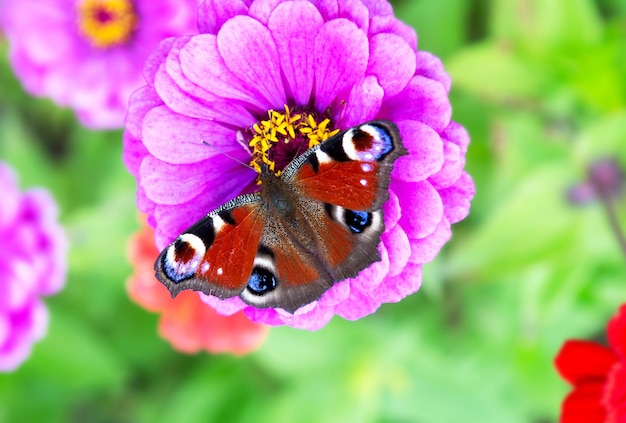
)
(88, 54)
(32, 265)
(186, 322)
(336, 64)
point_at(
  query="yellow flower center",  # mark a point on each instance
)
(107, 23)
(285, 135)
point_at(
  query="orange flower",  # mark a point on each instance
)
(186, 322)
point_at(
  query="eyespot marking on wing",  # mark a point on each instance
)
(183, 257)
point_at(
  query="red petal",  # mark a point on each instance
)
(583, 405)
(616, 330)
(615, 394)
(580, 361)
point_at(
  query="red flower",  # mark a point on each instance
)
(186, 322)
(598, 375)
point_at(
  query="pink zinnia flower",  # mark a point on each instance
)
(32, 264)
(186, 322)
(598, 376)
(333, 64)
(88, 54)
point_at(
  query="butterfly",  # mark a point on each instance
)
(316, 224)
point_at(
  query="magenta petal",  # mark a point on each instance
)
(422, 208)
(174, 219)
(458, 135)
(457, 198)
(154, 60)
(358, 305)
(370, 277)
(226, 307)
(266, 316)
(293, 41)
(424, 99)
(212, 14)
(179, 139)
(261, 10)
(352, 10)
(395, 288)
(170, 184)
(425, 249)
(334, 72)
(399, 249)
(336, 294)
(181, 102)
(392, 210)
(392, 61)
(201, 62)
(390, 25)
(363, 103)
(426, 152)
(378, 7)
(249, 51)
(430, 66)
(452, 168)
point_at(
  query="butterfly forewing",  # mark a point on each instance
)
(215, 255)
(351, 169)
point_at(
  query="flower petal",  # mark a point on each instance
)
(399, 249)
(452, 168)
(395, 288)
(392, 61)
(201, 62)
(430, 66)
(170, 184)
(294, 42)
(391, 25)
(212, 14)
(582, 361)
(362, 104)
(341, 55)
(583, 405)
(422, 209)
(249, 51)
(457, 198)
(424, 250)
(616, 331)
(424, 99)
(179, 139)
(426, 152)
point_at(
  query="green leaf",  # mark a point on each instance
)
(494, 72)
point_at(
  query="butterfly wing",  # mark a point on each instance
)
(318, 224)
(332, 231)
(216, 255)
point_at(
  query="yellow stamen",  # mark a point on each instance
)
(107, 23)
(285, 127)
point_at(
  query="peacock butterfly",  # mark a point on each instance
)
(317, 223)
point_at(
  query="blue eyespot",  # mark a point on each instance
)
(261, 281)
(357, 221)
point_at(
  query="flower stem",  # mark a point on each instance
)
(613, 220)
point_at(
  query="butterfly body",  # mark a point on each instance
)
(317, 223)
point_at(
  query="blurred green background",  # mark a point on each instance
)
(541, 87)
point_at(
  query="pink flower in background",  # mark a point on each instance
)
(88, 54)
(334, 64)
(186, 322)
(32, 265)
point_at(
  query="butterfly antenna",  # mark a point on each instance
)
(228, 155)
